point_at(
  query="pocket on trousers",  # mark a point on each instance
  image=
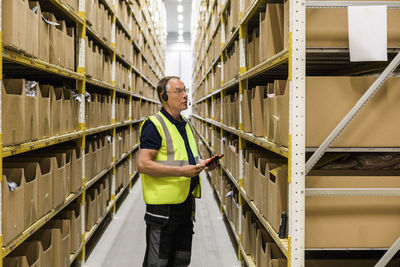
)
(157, 214)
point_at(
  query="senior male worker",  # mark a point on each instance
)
(169, 165)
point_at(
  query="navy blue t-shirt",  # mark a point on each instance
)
(151, 139)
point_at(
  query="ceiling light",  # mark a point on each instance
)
(179, 8)
(180, 17)
(180, 25)
(180, 32)
(180, 38)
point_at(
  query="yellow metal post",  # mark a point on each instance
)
(81, 88)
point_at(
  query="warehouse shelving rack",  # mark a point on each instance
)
(13, 62)
(290, 64)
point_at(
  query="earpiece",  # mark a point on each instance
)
(164, 96)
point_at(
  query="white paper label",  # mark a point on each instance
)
(368, 33)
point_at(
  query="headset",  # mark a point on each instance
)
(164, 95)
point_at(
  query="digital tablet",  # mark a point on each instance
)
(213, 159)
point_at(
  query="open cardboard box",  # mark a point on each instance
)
(61, 242)
(30, 173)
(13, 205)
(14, 24)
(13, 111)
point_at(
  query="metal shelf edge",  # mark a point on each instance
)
(20, 58)
(68, 11)
(34, 145)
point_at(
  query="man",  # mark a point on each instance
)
(169, 165)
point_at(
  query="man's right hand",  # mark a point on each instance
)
(192, 170)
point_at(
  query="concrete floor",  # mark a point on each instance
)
(123, 242)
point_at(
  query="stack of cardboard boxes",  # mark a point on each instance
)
(97, 201)
(123, 45)
(122, 175)
(98, 154)
(231, 64)
(98, 110)
(32, 111)
(232, 18)
(230, 110)
(25, 30)
(50, 246)
(43, 179)
(258, 244)
(99, 18)
(98, 62)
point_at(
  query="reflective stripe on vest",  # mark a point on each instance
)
(170, 146)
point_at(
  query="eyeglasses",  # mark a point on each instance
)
(180, 91)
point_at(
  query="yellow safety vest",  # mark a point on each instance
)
(171, 189)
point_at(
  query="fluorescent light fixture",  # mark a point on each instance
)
(179, 8)
(180, 32)
(180, 25)
(180, 17)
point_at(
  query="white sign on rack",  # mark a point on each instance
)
(367, 33)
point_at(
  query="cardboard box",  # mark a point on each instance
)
(352, 222)
(61, 242)
(56, 40)
(13, 205)
(13, 112)
(257, 110)
(43, 111)
(32, 251)
(74, 153)
(277, 195)
(56, 100)
(256, 40)
(246, 222)
(99, 207)
(73, 4)
(44, 170)
(45, 239)
(91, 202)
(66, 118)
(327, 105)
(69, 36)
(271, 31)
(14, 24)
(72, 214)
(88, 161)
(265, 166)
(268, 253)
(44, 34)
(30, 175)
(31, 112)
(246, 109)
(60, 184)
(32, 31)
(16, 261)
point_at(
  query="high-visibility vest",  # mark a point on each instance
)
(171, 189)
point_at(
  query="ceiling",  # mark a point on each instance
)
(172, 16)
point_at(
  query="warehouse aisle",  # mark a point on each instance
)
(123, 242)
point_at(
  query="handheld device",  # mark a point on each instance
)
(213, 159)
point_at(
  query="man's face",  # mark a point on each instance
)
(177, 96)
